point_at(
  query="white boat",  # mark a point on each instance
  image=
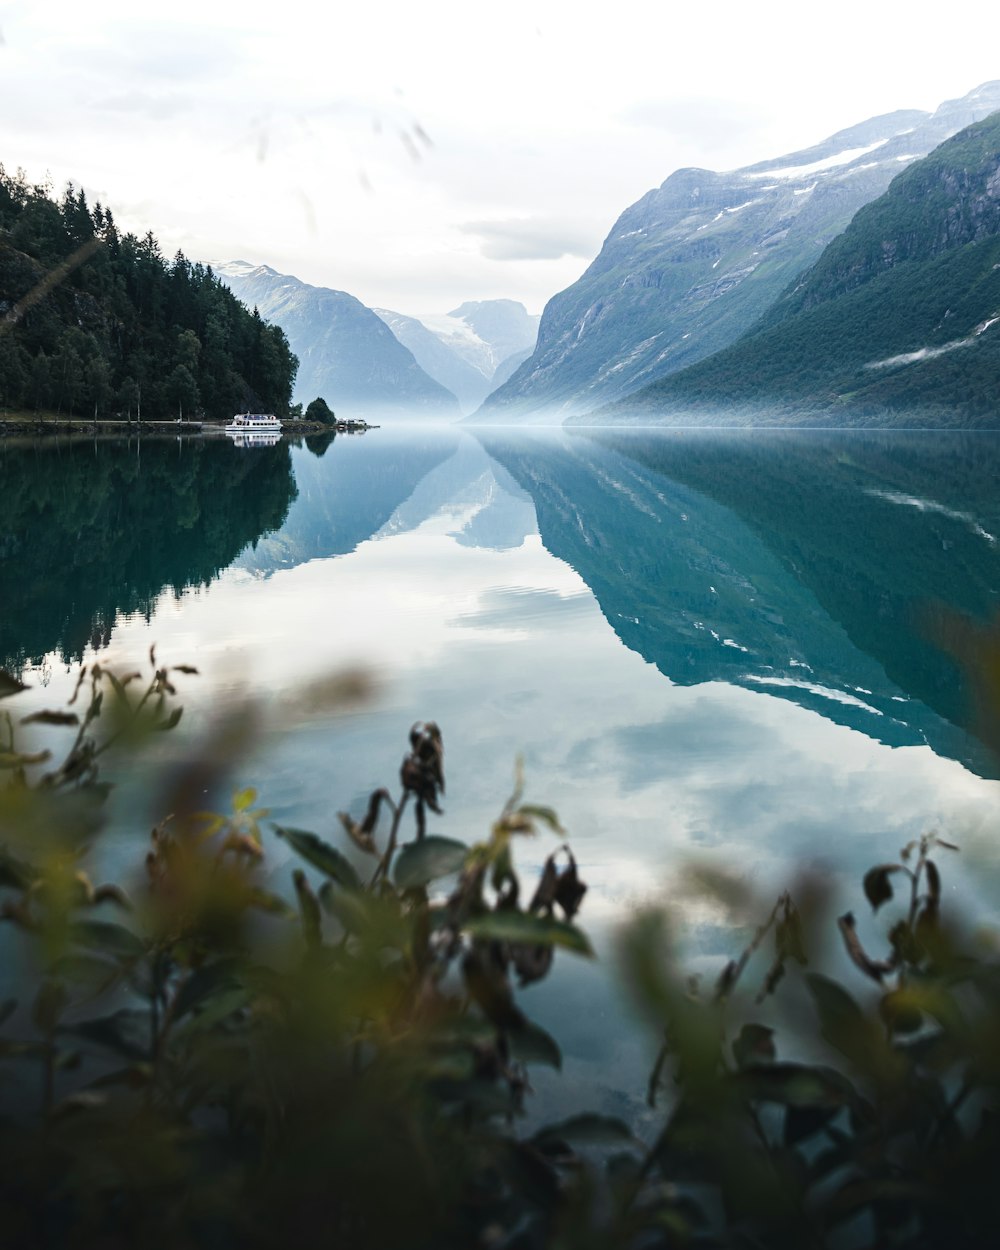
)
(254, 423)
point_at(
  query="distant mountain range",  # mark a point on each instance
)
(346, 353)
(898, 322)
(472, 349)
(379, 363)
(693, 265)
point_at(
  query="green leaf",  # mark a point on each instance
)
(171, 721)
(243, 800)
(127, 1032)
(586, 1130)
(546, 815)
(531, 1044)
(834, 1004)
(104, 935)
(205, 983)
(217, 1007)
(50, 1002)
(523, 927)
(321, 855)
(844, 1025)
(426, 860)
(878, 889)
(933, 880)
(16, 759)
(90, 973)
(795, 1085)
(9, 684)
(272, 904)
(17, 874)
(754, 1045)
(350, 909)
(51, 718)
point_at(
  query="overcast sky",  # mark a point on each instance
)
(421, 154)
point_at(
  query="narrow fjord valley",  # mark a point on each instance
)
(684, 957)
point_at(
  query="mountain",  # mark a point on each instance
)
(807, 564)
(438, 359)
(898, 322)
(691, 266)
(472, 349)
(346, 353)
(502, 325)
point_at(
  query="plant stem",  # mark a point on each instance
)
(383, 865)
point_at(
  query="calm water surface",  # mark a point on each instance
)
(711, 643)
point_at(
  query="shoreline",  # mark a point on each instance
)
(74, 425)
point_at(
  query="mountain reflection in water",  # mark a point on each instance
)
(815, 566)
(818, 566)
(768, 692)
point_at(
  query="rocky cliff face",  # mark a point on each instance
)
(898, 322)
(693, 264)
(946, 201)
(346, 353)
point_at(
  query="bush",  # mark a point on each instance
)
(320, 410)
(207, 1062)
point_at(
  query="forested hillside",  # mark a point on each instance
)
(95, 323)
(897, 323)
(691, 266)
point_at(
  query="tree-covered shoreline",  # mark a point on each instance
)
(95, 323)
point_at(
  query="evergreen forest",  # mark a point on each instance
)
(99, 324)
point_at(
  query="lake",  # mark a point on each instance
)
(722, 644)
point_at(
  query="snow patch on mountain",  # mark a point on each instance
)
(815, 167)
(462, 339)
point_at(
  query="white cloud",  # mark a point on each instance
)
(288, 134)
(531, 239)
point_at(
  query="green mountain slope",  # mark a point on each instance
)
(691, 266)
(898, 322)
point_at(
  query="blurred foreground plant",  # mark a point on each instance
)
(208, 1061)
(889, 1135)
(203, 1061)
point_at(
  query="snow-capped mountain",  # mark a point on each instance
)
(346, 353)
(470, 350)
(897, 323)
(690, 267)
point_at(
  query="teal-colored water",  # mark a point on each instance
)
(699, 643)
